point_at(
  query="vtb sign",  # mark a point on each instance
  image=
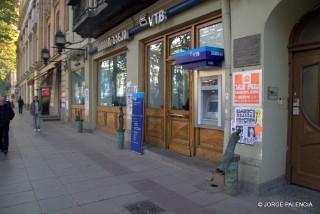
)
(154, 19)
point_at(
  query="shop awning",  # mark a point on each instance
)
(199, 58)
(45, 70)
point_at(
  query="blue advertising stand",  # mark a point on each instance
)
(137, 122)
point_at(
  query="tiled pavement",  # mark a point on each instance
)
(61, 171)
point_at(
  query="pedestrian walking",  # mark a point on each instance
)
(36, 112)
(6, 114)
(20, 104)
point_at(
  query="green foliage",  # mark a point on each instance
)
(8, 35)
(8, 11)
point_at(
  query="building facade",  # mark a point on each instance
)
(39, 23)
(207, 68)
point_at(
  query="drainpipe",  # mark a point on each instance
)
(226, 20)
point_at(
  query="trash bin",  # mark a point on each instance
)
(231, 175)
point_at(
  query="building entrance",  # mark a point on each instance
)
(306, 119)
(305, 107)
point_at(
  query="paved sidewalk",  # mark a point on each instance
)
(61, 171)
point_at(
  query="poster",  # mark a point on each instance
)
(137, 122)
(86, 102)
(249, 121)
(130, 91)
(67, 104)
(45, 92)
(247, 88)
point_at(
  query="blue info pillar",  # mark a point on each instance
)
(137, 122)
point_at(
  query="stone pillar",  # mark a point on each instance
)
(226, 19)
(90, 95)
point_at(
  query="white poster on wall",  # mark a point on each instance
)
(86, 102)
(131, 89)
(249, 121)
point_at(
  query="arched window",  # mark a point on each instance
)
(308, 30)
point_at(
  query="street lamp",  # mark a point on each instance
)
(60, 41)
(45, 55)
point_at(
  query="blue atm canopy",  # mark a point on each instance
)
(201, 58)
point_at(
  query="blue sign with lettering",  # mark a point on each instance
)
(203, 57)
(137, 122)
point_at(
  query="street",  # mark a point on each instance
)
(60, 171)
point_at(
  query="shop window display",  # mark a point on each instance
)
(78, 85)
(155, 75)
(112, 81)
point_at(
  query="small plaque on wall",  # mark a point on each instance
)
(246, 51)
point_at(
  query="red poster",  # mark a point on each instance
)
(247, 88)
(45, 92)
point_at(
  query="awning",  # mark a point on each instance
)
(45, 70)
(203, 57)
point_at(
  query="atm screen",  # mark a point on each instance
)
(212, 106)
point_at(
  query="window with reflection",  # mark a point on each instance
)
(78, 84)
(311, 93)
(180, 43)
(155, 75)
(211, 35)
(112, 80)
(179, 88)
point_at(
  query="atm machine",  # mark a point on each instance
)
(208, 102)
(206, 65)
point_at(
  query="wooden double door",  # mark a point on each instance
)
(305, 122)
(168, 103)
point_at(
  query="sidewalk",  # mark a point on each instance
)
(60, 171)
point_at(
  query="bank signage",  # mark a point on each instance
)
(144, 22)
(113, 40)
(200, 57)
(154, 19)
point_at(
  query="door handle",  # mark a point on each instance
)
(177, 115)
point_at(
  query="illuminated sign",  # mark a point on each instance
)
(45, 92)
(202, 57)
(154, 19)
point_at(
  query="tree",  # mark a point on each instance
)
(8, 36)
(8, 19)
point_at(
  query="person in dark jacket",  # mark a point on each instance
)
(20, 104)
(6, 114)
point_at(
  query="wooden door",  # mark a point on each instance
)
(155, 90)
(179, 114)
(305, 131)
